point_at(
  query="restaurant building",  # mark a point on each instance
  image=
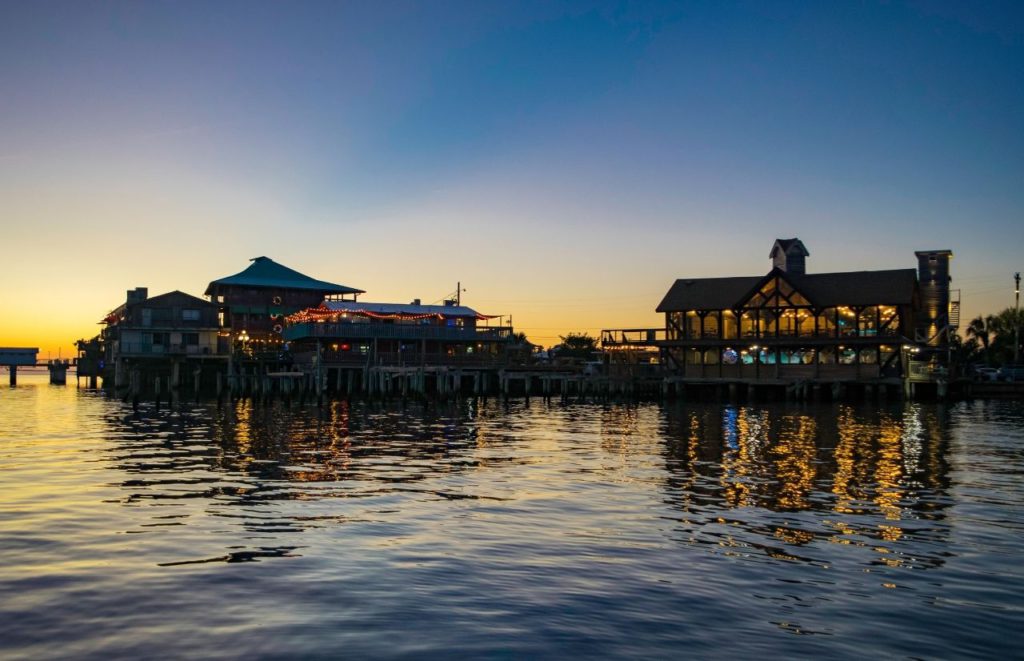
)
(791, 325)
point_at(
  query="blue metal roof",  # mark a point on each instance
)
(265, 272)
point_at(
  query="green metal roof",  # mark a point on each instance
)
(265, 272)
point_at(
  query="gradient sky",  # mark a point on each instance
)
(565, 161)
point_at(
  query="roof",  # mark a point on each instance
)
(265, 272)
(786, 244)
(404, 309)
(893, 287)
(180, 296)
(707, 293)
(175, 296)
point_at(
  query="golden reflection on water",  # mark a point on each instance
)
(869, 460)
(794, 461)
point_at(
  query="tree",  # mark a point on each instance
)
(519, 338)
(577, 345)
(980, 331)
(1003, 327)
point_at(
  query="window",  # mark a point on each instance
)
(191, 339)
(190, 315)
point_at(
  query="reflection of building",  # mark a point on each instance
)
(792, 325)
(258, 299)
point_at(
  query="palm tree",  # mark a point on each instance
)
(980, 329)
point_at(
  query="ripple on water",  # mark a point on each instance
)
(521, 530)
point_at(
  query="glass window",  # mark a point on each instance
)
(867, 322)
(729, 325)
(888, 321)
(748, 324)
(847, 322)
(827, 323)
(190, 315)
(711, 328)
(692, 325)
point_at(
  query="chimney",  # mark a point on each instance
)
(789, 255)
(415, 301)
(137, 295)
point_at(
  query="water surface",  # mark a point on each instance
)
(528, 529)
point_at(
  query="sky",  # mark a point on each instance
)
(565, 162)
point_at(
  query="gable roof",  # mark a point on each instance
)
(265, 272)
(173, 297)
(786, 244)
(893, 287)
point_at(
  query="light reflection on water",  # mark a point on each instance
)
(530, 529)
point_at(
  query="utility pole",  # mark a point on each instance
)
(1016, 319)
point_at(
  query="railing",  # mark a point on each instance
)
(397, 332)
(138, 348)
(636, 337)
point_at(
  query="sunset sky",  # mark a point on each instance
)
(564, 161)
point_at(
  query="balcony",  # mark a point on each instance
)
(357, 331)
(126, 349)
(633, 337)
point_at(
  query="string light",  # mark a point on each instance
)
(325, 313)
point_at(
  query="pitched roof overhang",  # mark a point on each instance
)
(265, 272)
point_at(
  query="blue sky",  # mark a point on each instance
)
(566, 160)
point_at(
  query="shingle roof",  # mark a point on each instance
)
(893, 287)
(265, 272)
(707, 293)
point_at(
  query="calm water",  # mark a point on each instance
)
(533, 530)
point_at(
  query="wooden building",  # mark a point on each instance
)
(257, 300)
(174, 335)
(379, 348)
(350, 332)
(789, 325)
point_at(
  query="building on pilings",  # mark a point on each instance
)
(789, 325)
(173, 336)
(254, 303)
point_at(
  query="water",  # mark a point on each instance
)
(532, 530)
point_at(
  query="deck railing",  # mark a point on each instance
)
(139, 348)
(354, 331)
(632, 337)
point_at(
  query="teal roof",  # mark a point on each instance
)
(265, 272)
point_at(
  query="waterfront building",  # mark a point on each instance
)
(254, 303)
(790, 325)
(161, 335)
(372, 334)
